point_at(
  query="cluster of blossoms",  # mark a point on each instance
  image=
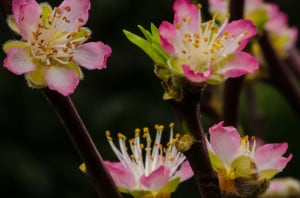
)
(186, 53)
(243, 170)
(52, 44)
(197, 52)
(266, 16)
(151, 170)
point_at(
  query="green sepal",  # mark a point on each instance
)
(171, 186)
(269, 173)
(217, 163)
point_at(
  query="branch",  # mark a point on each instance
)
(188, 112)
(85, 146)
(233, 86)
(280, 76)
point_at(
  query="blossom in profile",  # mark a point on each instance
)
(197, 52)
(52, 45)
(243, 170)
(285, 187)
(151, 169)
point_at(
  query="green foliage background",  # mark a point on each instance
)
(37, 158)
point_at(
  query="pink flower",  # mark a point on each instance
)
(266, 16)
(237, 162)
(52, 44)
(204, 51)
(157, 172)
(283, 37)
(282, 188)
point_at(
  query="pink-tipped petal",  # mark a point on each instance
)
(62, 80)
(243, 63)
(194, 76)
(18, 61)
(185, 172)
(225, 142)
(277, 24)
(77, 14)
(184, 10)
(241, 27)
(157, 179)
(268, 155)
(167, 34)
(283, 161)
(219, 6)
(27, 16)
(92, 55)
(122, 176)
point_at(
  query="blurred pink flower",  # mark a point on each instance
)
(237, 162)
(204, 51)
(266, 16)
(286, 187)
(52, 44)
(158, 172)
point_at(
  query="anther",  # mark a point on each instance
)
(68, 8)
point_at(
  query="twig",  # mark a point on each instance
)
(85, 146)
(233, 86)
(188, 112)
(280, 76)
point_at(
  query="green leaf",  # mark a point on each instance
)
(146, 46)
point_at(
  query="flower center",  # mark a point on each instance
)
(208, 45)
(51, 43)
(154, 156)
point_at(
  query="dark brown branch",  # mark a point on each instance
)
(85, 146)
(233, 86)
(188, 112)
(279, 74)
(256, 118)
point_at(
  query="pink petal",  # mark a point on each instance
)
(219, 6)
(251, 5)
(78, 14)
(240, 27)
(283, 161)
(92, 55)
(243, 63)
(194, 76)
(183, 10)
(293, 36)
(61, 80)
(122, 176)
(167, 34)
(185, 172)
(18, 61)
(157, 179)
(27, 15)
(269, 156)
(225, 142)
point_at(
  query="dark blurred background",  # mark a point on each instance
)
(37, 158)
